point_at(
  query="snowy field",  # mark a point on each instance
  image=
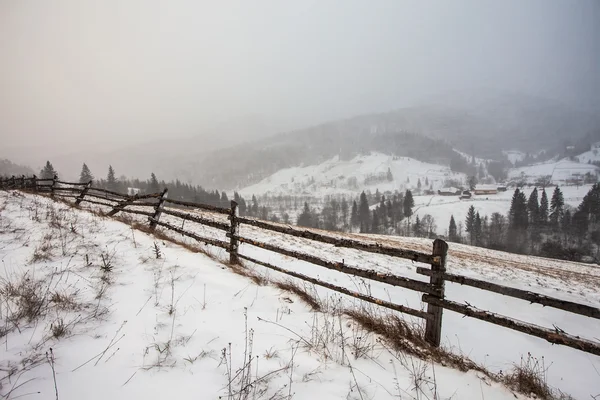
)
(114, 313)
(442, 207)
(559, 171)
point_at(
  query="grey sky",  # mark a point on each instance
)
(139, 70)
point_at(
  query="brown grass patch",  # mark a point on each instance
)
(300, 292)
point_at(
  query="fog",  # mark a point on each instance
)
(82, 76)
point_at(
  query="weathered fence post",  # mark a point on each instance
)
(13, 182)
(53, 185)
(23, 185)
(234, 229)
(158, 209)
(83, 193)
(433, 328)
(34, 183)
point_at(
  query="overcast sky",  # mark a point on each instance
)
(121, 71)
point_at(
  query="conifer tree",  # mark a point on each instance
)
(409, 203)
(111, 180)
(556, 207)
(48, 172)
(452, 233)
(86, 175)
(153, 185)
(543, 217)
(470, 224)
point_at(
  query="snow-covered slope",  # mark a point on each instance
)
(559, 171)
(119, 314)
(514, 156)
(352, 176)
(590, 155)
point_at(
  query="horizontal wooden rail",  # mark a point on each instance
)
(339, 242)
(72, 183)
(194, 218)
(96, 196)
(66, 189)
(206, 207)
(341, 267)
(100, 203)
(360, 296)
(121, 195)
(532, 297)
(139, 212)
(212, 242)
(553, 336)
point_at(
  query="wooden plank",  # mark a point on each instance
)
(206, 207)
(390, 279)
(212, 242)
(194, 218)
(532, 297)
(234, 230)
(158, 209)
(339, 289)
(555, 336)
(340, 242)
(83, 192)
(433, 328)
(89, 194)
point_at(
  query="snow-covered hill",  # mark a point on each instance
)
(119, 314)
(168, 318)
(368, 172)
(514, 156)
(590, 155)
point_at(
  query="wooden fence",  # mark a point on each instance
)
(154, 205)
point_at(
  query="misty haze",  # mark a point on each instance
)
(296, 161)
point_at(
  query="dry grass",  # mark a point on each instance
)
(301, 292)
(529, 377)
(248, 273)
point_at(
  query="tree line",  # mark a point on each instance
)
(538, 226)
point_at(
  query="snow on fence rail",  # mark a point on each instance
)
(433, 291)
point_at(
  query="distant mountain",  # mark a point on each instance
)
(8, 168)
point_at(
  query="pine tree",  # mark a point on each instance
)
(86, 175)
(556, 207)
(534, 208)
(472, 182)
(224, 200)
(375, 228)
(409, 203)
(305, 218)
(153, 185)
(111, 180)
(364, 214)
(48, 172)
(254, 206)
(344, 213)
(452, 233)
(497, 231)
(389, 175)
(477, 229)
(543, 216)
(470, 224)
(419, 183)
(354, 220)
(417, 228)
(518, 221)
